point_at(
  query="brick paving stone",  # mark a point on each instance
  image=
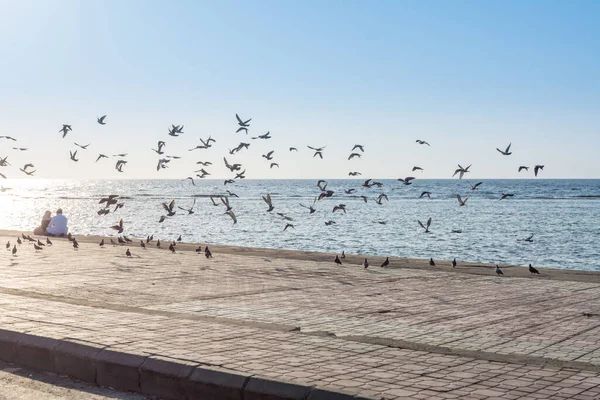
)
(209, 312)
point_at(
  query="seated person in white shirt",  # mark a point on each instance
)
(58, 225)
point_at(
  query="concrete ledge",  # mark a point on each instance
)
(323, 394)
(267, 389)
(9, 342)
(216, 383)
(165, 379)
(37, 352)
(76, 360)
(153, 375)
(118, 370)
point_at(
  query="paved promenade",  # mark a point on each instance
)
(409, 331)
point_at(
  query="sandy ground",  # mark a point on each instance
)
(18, 383)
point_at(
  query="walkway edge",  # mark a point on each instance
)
(150, 375)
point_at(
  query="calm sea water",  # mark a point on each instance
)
(563, 216)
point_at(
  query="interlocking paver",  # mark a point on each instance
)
(184, 307)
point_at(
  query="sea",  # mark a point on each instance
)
(562, 215)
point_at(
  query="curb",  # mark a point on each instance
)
(150, 375)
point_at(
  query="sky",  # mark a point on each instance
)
(466, 76)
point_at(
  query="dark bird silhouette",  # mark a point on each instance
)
(274, 165)
(269, 155)
(118, 227)
(529, 239)
(101, 120)
(232, 215)
(101, 244)
(462, 202)
(265, 136)
(428, 194)
(128, 253)
(475, 186)
(25, 171)
(522, 167)
(288, 226)
(119, 165)
(65, 129)
(232, 194)
(337, 260)
(311, 208)
(537, 168)
(461, 171)
(341, 207)
(505, 195)
(293, 149)
(142, 244)
(242, 122)
(14, 250)
(318, 151)
(454, 263)
(431, 262)
(207, 253)
(39, 243)
(415, 168)
(354, 173)
(75, 244)
(505, 152)
(533, 271)
(159, 151)
(407, 181)
(358, 146)
(386, 262)
(353, 155)
(328, 223)
(175, 130)
(8, 138)
(232, 167)
(422, 142)
(366, 264)
(169, 208)
(101, 156)
(427, 225)
(172, 248)
(498, 270)
(267, 200)
(190, 210)
(84, 147)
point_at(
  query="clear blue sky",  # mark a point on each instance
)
(467, 76)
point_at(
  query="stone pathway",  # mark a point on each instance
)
(392, 333)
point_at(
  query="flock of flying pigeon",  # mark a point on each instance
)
(238, 174)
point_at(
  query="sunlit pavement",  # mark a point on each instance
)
(393, 333)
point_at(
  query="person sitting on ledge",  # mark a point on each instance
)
(58, 225)
(41, 230)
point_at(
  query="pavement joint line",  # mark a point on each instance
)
(146, 311)
(475, 354)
